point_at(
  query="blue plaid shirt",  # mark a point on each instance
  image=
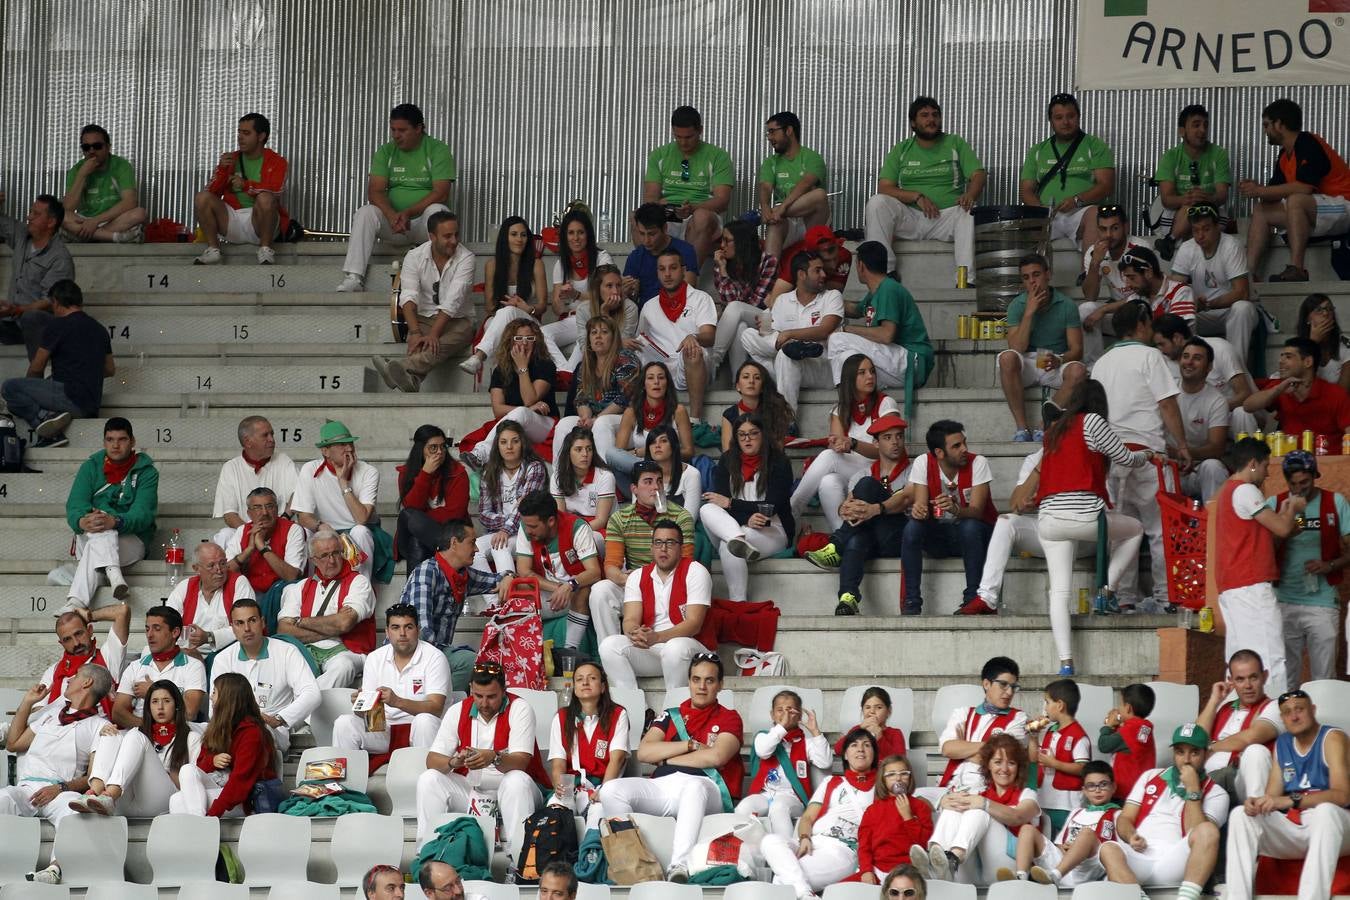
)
(428, 591)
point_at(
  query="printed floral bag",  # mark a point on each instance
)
(514, 636)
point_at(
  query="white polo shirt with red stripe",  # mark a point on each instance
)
(427, 673)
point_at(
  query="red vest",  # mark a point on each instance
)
(259, 573)
(592, 752)
(963, 477)
(678, 598)
(998, 725)
(1060, 745)
(1155, 788)
(1246, 555)
(1072, 465)
(1226, 712)
(572, 565)
(194, 594)
(1328, 530)
(501, 737)
(801, 768)
(361, 639)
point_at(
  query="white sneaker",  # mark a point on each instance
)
(352, 282)
(117, 582)
(472, 364)
(266, 256)
(133, 235)
(63, 575)
(49, 875)
(210, 257)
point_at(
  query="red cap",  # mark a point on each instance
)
(886, 423)
(821, 234)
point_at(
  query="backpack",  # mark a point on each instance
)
(11, 446)
(550, 836)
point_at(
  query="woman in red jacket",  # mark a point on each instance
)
(235, 772)
(894, 822)
(432, 489)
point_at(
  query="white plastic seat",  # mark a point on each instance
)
(658, 833)
(759, 716)
(213, 890)
(676, 696)
(1094, 702)
(491, 890)
(902, 708)
(20, 843)
(274, 847)
(545, 707)
(851, 890)
(183, 848)
(665, 890)
(400, 780)
(358, 765)
(24, 890)
(1332, 699)
(334, 702)
(950, 890)
(363, 840)
(1173, 705)
(122, 890)
(948, 698)
(1023, 890)
(759, 890)
(310, 890)
(634, 702)
(719, 824)
(91, 849)
(1105, 890)
(592, 891)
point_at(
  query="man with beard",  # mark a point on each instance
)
(1070, 172)
(792, 194)
(1205, 418)
(1194, 171)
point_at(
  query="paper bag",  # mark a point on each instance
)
(630, 860)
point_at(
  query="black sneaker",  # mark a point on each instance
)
(59, 441)
(912, 608)
(803, 349)
(1166, 247)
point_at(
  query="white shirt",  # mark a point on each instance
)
(689, 490)
(58, 752)
(1202, 411)
(322, 496)
(427, 673)
(618, 741)
(818, 754)
(1136, 379)
(789, 312)
(967, 775)
(1082, 818)
(482, 734)
(859, 432)
(237, 478)
(282, 681)
(452, 285)
(1162, 826)
(114, 654)
(1331, 369)
(1213, 276)
(583, 544)
(1226, 367)
(360, 597)
(1248, 501)
(185, 671)
(1220, 758)
(698, 591)
(586, 500)
(296, 554)
(847, 805)
(210, 616)
(1029, 465)
(581, 285)
(1109, 269)
(896, 485)
(980, 474)
(665, 336)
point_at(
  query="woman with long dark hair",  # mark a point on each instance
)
(1317, 322)
(681, 483)
(757, 393)
(743, 276)
(433, 488)
(577, 261)
(588, 743)
(581, 484)
(1079, 447)
(136, 772)
(512, 471)
(515, 287)
(235, 770)
(652, 401)
(748, 512)
(521, 388)
(601, 388)
(895, 822)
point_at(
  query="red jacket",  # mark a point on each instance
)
(251, 762)
(454, 501)
(274, 169)
(884, 838)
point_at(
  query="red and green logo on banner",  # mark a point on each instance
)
(1140, 7)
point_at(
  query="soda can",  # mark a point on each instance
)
(1259, 434)
(1290, 444)
(963, 327)
(1000, 328)
(1322, 445)
(1207, 620)
(1242, 436)
(1309, 441)
(1345, 445)
(962, 277)
(1084, 602)
(986, 330)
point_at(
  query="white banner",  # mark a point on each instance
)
(1228, 43)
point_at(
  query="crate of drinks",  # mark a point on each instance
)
(982, 326)
(1282, 444)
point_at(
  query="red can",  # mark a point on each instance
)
(174, 556)
(1322, 445)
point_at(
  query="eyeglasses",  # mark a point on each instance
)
(902, 892)
(1006, 685)
(749, 434)
(261, 507)
(523, 338)
(331, 554)
(772, 130)
(666, 544)
(96, 145)
(1325, 308)
(684, 170)
(1097, 786)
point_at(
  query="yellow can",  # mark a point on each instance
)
(1000, 329)
(986, 330)
(1084, 602)
(1207, 619)
(1290, 443)
(1242, 436)
(1275, 441)
(1309, 441)
(963, 327)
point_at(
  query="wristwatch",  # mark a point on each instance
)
(1193, 795)
(1297, 797)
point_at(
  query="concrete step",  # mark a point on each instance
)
(228, 377)
(193, 279)
(152, 329)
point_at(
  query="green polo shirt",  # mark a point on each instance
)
(1206, 171)
(940, 172)
(784, 173)
(892, 302)
(1092, 154)
(708, 168)
(411, 172)
(1053, 321)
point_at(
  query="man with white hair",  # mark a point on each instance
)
(331, 612)
(205, 600)
(258, 465)
(269, 551)
(339, 490)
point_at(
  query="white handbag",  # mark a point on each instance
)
(761, 662)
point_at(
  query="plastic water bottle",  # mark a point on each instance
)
(173, 559)
(606, 228)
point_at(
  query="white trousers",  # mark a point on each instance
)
(95, 552)
(675, 362)
(830, 861)
(563, 343)
(502, 559)
(567, 424)
(368, 224)
(1252, 621)
(341, 670)
(1159, 864)
(828, 462)
(1236, 323)
(129, 761)
(737, 318)
(791, 374)
(1320, 840)
(960, 830)
(1134, 493)
(1012, 533)
(197, 790)
(606, 602)
(15, 801)
(364, 540)
(885, 219)
(778, 809)
(1094, 338)
(889, 360)
(349, 731)
(1314, 628)
(1058, 539)
(518, 798)
(721, 528)
(623, 662)
(1205, 480)
(1253, 768)
(686, 797)
(537, 427)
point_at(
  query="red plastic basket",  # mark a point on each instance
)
(1184, 523)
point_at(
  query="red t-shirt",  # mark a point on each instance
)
(706, 729)
(1128, 765)
(1326, 411)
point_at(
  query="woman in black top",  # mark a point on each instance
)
(521, 388)
(748, 513)
(758, 394)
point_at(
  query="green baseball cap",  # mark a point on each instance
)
(1191, 734)
(334, 432)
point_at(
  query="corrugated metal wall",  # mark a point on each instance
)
(546, 100)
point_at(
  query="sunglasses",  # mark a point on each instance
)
(684, 170)
(97, 145)
(1203, 210)
(1111, 209)
(902, 892)
(707, 656)
(489, 668)
(1195, 173)
(1292, 695)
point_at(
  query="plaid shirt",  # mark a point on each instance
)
(505, 516)
(428, 591)
(754, 293)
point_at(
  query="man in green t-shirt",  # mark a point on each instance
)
(792, 194)
(1045, 344)
(1194, 171)
(926, 187)
(242, 202)
(693, 180)
(1069, 172)
(100, 198)
(410, 179)
(891, 334)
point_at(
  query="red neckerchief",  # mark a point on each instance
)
(459, 581)
(1007, 798)
(651, 418)
(866, 409)
(672, 304)
(162, 733)
(69, 665)
(745, 410)
(749, 467)
(580, 265)
(164, 656)
(114, 472)
(859, 781)
(325, 465)
(256, 464)
(645, 513)
(894, 476)
(68, 715)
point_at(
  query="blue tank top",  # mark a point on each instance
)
(1307, 772)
